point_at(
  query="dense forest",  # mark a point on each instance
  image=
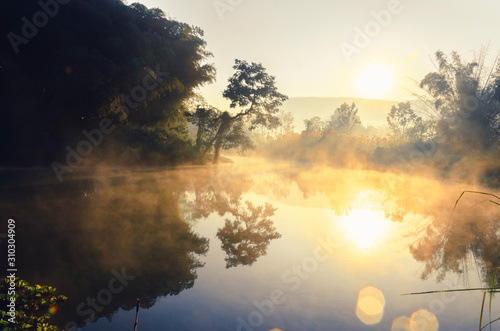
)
(102, 67)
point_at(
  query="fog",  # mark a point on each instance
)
(73, 234)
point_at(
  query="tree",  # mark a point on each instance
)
(205, 118)
(131, 61)
(344, 119)
(286, 119)
(404, 123)
(247, 238)
(462, 99)
(254, 90)
(314, 124)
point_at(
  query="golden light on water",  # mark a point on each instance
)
(423, 320)
(370, 305)
(365, 227)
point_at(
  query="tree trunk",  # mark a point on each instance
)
(225, 126)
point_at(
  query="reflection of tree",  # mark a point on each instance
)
(472, 234)
(131, 225)
(246, 239)
(219, 191)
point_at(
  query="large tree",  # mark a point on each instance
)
(461, 100)
(254, 93)
(94, 59)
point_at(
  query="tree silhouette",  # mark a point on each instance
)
(461, 100)
(247, 237)
(131, 61)
(404, 123)
(345, 118)
(254, 90)
(91, 229)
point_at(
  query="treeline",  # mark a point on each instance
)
(98, 73)
(76, 73)
(454, 124)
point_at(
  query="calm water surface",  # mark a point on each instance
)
(250, 246)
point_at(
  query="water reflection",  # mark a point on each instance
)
(423, 320)
(247, 237)
(80, 235)
(370, 305)
(72, 235)
(365, 227)
(424, 205)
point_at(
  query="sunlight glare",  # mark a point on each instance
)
(365, 227)
(374, 81)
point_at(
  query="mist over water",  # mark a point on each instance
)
(241, 226)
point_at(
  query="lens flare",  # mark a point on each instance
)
(52, 310)
(370, 306)
(402, 323)
(423, 320)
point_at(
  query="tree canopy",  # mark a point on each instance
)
(93, 59)
(254, 92)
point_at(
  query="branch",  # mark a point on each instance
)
(245, 113)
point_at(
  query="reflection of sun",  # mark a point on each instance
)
(374, 81)
(365, 227)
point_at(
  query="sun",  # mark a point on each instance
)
(365, 228)
(375, 80)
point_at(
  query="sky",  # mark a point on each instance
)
(376, 49)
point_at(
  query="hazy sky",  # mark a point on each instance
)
(300, 42)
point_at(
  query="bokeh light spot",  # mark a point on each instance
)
(402, 323)
(423, 320)
(370, 305)
(52, 310)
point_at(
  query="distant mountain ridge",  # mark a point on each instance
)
(371, 111)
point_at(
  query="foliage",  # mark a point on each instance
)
(145, 145)
(405, 124)
(314, 124)
(461, 100)
(205, 118)
(33, 303)
(286, 120)
(252, 89)
(344, 119)
(238, 138)
(251, 86)
(73, 72)
(446, 259)
(246, 239)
